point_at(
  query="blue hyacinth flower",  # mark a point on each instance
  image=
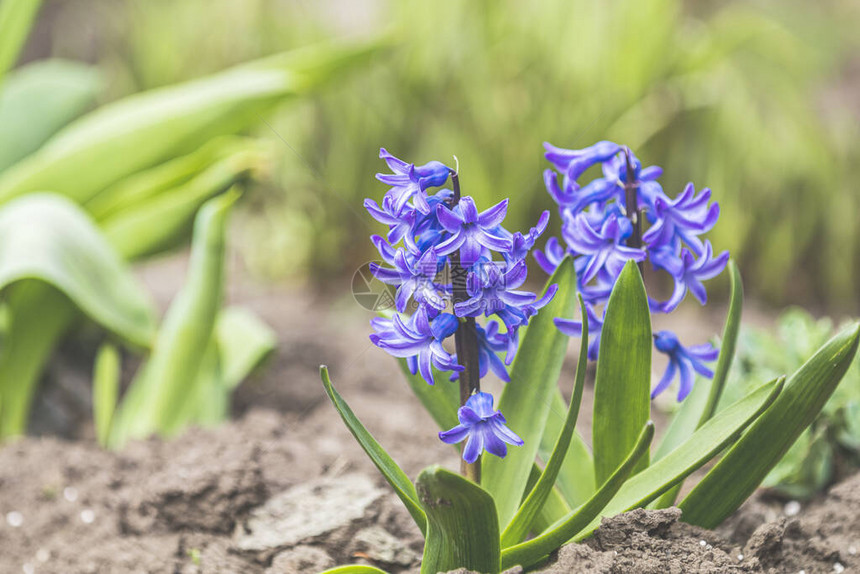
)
(485, 429)
(683, 360)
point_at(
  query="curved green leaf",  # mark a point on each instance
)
(622, 387)
(531, 507)
(40, 98)
(526, 400)
(398, 480)
(528, 553)
(106, 373)
(145, 129)
(46, 237)
(703, 445)
(16, 19)
(702, 402)
(462, 526)
(576, 476)
(154, 403)
(748, 462)
(244, 342)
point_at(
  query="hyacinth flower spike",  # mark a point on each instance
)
(413, 278)
(410, 182)
(688, 274)
(684, 360)
(485, 429)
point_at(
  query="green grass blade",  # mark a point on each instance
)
(526, 400)
(154, 401)
(528, 553)
(398, 480)
(16, 19)
(702, 402)
(622, 387)
(576, 477)
(106, 375)
(748, 462)
(522, 521)
(462, 527)
(38, 99)
(707, 442)
(728, 342)
(143, 130)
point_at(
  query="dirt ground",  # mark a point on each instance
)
(283, 488)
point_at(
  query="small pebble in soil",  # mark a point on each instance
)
(702, 543)
(852, 550)
(28, 568)
(740, 557)
(70, 493)
(43, 554)
(838, 568)
(792, 508)
(87, 516)
(14, 519)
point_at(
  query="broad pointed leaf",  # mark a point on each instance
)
(748, 462)
(462, 527)
(622, 387)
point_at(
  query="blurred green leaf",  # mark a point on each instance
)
(16, 18)
(154, 401)
(462, 526)
(244, 342)
(39, 99)
(528, 553)
(576, 477)
(525, 516)
(398, 480)
(527, 398)
(142, 130)
(744, 467)
(622, 386)
(106, 373)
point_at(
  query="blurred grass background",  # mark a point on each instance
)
(756, 99)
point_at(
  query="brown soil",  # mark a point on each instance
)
(284, 488)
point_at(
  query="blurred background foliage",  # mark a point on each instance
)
(755, 99)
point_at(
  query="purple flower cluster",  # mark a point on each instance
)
(599, 231)
(434, 240)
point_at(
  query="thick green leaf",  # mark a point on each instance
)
(157, 223)
(743, 468)
(462, 526)
(48, 238)
(702, 402)
(244, 342)
(526, 400)
(707, 442)
(555, 507)
(622, 387)
(39, 99)
(154, 401)
(576, 477)
(528, 553)
(106, 375)
(534, 502)
(143, 130)
(16, 19)
(398, 480)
